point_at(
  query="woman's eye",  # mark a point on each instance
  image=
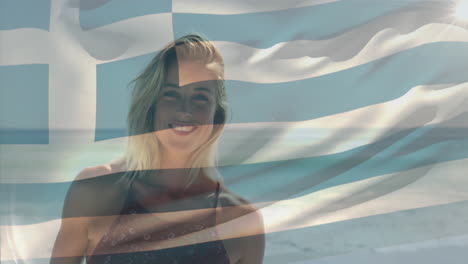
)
(170, 95)
(201, 98)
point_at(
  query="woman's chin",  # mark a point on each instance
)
(180, 146)
(184, 143)
(183, 149)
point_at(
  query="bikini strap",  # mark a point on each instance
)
(216, 204)
(217, 195)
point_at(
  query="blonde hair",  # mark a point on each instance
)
(143, 151)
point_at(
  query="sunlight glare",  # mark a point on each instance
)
(461, 10)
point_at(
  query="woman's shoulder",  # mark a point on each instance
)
(96, 191)
(101, 178)
(229, 198)
(244, 232)
(113, 167)
(235, 206)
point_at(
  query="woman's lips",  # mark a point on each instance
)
(181, 129)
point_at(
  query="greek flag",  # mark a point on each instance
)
(348, 118)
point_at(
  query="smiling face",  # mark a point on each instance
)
(186, 106)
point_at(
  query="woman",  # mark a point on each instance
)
(164, 202)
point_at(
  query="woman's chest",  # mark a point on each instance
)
(142, 226)
(149, 219)
(116, 242)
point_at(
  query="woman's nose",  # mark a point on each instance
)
(184, 110)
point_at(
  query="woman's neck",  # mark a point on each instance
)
(174, 169)
(174, 172)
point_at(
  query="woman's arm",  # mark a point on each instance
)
(71, 243)
(254, 246)
(80, 203)
(242, 220)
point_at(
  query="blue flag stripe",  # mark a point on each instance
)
(117, 10)
(24, 14)
(113, 94)
(24, 111)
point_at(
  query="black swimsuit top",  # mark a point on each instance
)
(124, 235)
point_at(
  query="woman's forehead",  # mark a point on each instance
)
(183, 73)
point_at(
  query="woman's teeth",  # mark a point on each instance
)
(184, 128)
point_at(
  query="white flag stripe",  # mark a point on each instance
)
(230, 7)
(43, 166)
(455, 241)
(435, 187)
(364, 125)
(444, 250)
(441, 183)
(17, 242)
(298, 139)
(297, 60)
(129, 38)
